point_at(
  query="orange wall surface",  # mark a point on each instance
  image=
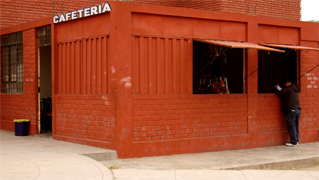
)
(166, 119)
(23, 106)
(17, 12)
(284, 9)
(84, 108)
(126, 82)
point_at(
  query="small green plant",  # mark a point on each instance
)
(114, 167)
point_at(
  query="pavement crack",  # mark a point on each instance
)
(244, 175)
(312, 175)
(113, 176)
(28, 161)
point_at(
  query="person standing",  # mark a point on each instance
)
(291, 107)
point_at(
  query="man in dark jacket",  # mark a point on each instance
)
(291, 107)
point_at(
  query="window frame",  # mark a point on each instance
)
(293, 73)
(224, 50)
(12, 63)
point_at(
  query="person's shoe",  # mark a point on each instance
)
(292, 145)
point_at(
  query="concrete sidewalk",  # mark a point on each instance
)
(32, 157)
(28, 157)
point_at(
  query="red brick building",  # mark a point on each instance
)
(140, 78)
(17, 12)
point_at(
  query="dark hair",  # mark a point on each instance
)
(292, 80)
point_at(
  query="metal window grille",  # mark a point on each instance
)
(44, 36)
(12, 63)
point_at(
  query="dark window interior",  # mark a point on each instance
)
(215, 68)
(12, 63)
(276, 68)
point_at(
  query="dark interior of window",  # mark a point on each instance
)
(12, 63)
(276, 68)
(217, 69)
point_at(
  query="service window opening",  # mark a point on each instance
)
(217, 69)
(276, 68)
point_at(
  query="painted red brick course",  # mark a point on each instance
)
(23, 106)
(285, 9)
(182, 117)
(86, 119)
(150, 120)
(17, 12)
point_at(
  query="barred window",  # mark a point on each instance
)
(218, 69)
(44, 36)
(12, 63)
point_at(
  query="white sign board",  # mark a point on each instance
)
(81, 13)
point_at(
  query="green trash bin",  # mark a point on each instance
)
(21, 127)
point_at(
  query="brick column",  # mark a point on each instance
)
(121, 68)
(252, 84)
(29, 100)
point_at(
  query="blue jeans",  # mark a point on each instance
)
(292, 120)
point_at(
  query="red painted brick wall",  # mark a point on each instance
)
(85, 119)
(84, 107)
(271, 118)
(309, 86)
(214, 5)
(23, 106)
(171, 117)
(284, 9)
(17, 12)
(175, 122)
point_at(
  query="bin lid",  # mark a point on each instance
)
(21, 120)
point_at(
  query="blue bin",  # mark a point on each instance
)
(21, 127)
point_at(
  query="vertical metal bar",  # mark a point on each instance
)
(44, 36)
(21, 68)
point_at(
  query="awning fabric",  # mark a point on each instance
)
(289, 46)
(238, 44)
